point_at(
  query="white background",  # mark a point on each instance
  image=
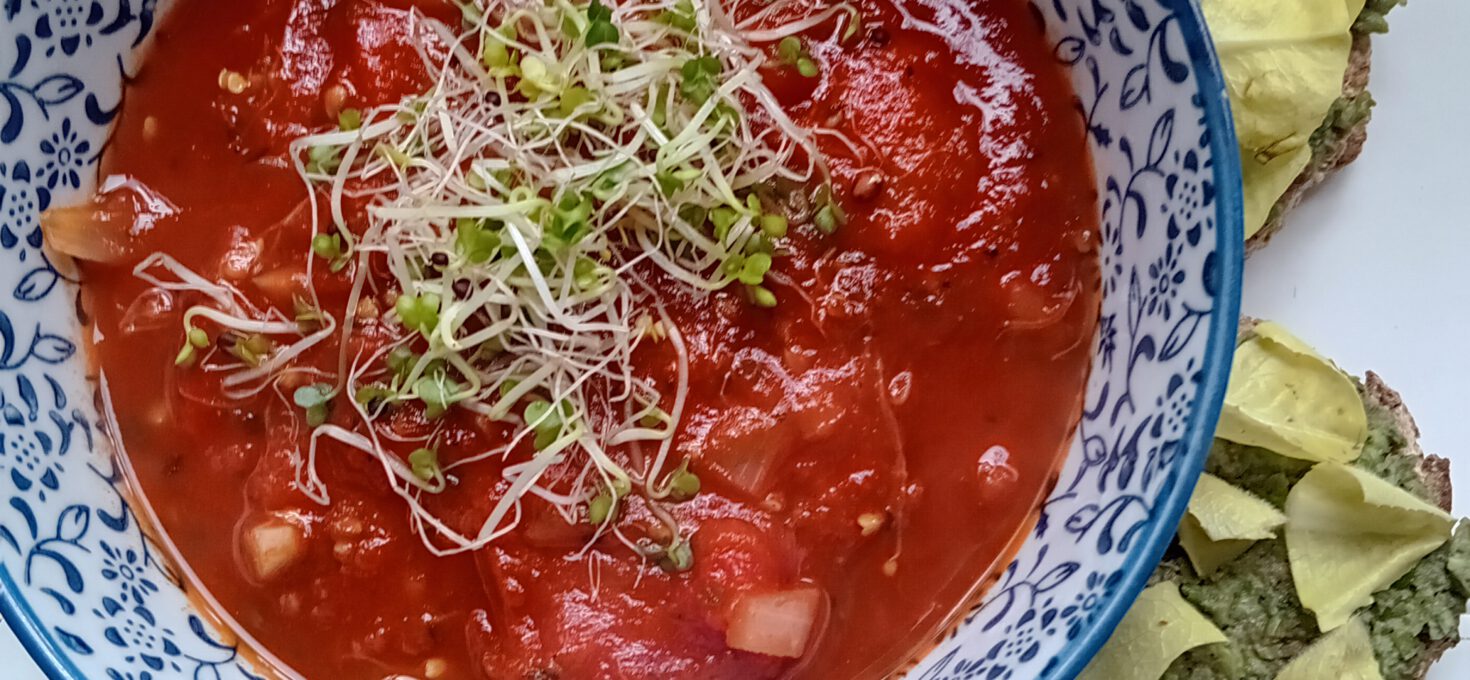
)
(1375, 268)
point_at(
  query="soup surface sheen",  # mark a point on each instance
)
(868, 449)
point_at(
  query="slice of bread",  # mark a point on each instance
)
(1434, 474)
(1332, 147)
(1275, 628)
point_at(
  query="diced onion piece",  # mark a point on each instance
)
(746, 450)
(778, 623)
(103, 229)
(751, 474)
(900, 387)
(996, 476)
(822, 410)
(1031, 305)
(151, 310)
(90, 231)
(242, 260)
(272, 546)
(282, 283)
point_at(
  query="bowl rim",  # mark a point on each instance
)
(44, 650)
(33, 637)
(1199, 433)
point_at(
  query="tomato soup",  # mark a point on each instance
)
(555, 340)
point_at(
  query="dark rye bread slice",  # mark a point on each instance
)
(1333, 146)
(1433, 471)
(1424, 475)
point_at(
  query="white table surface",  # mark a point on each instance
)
(1375, 268)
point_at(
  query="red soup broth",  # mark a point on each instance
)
(905, 411)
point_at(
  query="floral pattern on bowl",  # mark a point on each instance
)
(91, 597)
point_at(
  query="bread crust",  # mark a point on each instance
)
(1330, 158)
(1433, 471)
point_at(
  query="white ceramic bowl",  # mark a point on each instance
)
(90, 598)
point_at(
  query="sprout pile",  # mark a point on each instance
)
(562, 154)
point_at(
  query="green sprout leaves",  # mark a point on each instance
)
(774, 226)
(600, 509)
(569, 223)
(603, 507)
(425, 464)
(418, 312)
(477, 240)
(600, 28)
(329, 248)
(545, 421)
(323, 159)
(677, 557)
(753, 270)
(683, 484)
(830, 215)
(792, 52)
(681, 16)
(761, 296)
(438, 392)
(349, 119)
(369, 396)
(539, 77)
(195, 339)
(700, 78)
(790, 49)
(250, 349)
(316, 400)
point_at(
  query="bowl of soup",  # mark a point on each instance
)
(670, 339)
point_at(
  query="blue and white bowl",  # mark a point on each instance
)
(90, 597)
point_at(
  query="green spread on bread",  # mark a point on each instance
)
(1287, 70)
(1374, 17)
(1364, 541)
(1284, 67)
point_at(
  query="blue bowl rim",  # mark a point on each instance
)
(1219, 351)
(1199, 433)
(30, 630)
